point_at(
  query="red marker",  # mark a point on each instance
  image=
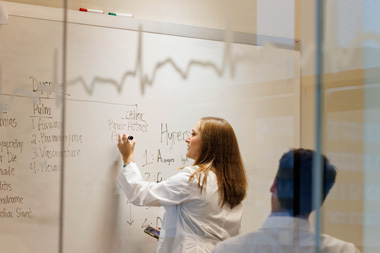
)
(91, 10)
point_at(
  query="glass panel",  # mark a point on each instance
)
(351, 114)
(30, 128)
(371, 207)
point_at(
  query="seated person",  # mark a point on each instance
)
(288, 229)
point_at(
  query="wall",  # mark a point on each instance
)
(211, 14)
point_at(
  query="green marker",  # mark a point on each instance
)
(121, 14)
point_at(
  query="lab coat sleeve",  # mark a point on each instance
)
(172, 191)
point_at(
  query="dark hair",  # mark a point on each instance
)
(294, 181)
(220, 153)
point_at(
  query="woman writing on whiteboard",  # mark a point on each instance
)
(203, 202)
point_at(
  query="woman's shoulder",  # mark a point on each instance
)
(189, 169)
(198, 175)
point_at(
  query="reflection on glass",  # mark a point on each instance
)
(30, 131)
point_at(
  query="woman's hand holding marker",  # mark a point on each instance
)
(126, 146)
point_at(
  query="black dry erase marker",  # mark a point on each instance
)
(130, 137)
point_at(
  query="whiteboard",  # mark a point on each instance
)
(120, 77)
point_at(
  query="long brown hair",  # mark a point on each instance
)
(220, 153)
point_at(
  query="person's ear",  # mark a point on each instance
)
(273, 188)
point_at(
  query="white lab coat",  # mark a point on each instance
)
(281, 234)
(193, 221)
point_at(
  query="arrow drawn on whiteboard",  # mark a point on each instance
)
(130, 214)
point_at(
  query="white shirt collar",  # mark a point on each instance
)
(287, 222)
